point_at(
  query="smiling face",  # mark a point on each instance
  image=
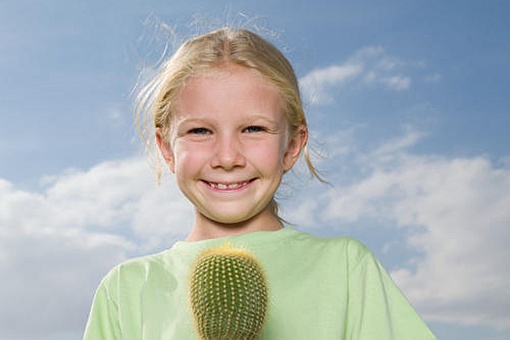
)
(229, 145)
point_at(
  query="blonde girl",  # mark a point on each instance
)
(227, 118)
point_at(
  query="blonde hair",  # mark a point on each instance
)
(155, 103)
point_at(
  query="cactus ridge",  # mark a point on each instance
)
(228, 295)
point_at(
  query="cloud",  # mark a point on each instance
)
(455, 217)
(397, 83)
(370, 66)
(462, 204)
(316, 84)
(57, 242)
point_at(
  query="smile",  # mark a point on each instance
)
(229, 186)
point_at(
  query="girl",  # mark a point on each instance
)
(229, 123)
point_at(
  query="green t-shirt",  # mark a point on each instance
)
(319, 288)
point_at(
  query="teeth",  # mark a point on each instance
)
(222, 186)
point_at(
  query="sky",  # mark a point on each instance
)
(409, 113)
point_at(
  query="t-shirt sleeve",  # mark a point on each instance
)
(377, 309)
(103, 322)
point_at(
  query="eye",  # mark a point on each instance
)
(199, 131)
(254, 128)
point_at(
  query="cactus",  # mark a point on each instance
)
(228, 295)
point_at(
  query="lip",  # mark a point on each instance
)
(228, 186)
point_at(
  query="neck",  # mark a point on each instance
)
(205, 228)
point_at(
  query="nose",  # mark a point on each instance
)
(227, 153)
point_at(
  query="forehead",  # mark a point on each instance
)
(231, 73)
(229, 89)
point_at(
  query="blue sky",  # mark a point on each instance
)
(409, 112)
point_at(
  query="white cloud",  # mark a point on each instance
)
(56, 243)
(397, 83)
(48, 269)
(393, 149)
(370, 66)
(455, 215)
(463, 206)
(316, 84)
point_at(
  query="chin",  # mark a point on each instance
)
(230, 220)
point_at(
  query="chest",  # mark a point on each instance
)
(307, 300)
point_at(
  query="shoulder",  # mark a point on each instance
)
(330, 241)
(134, 271)
(349, 248)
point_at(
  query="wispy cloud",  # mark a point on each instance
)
(395, 147)
(315, 85)
(370, 66)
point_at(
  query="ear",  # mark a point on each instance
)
(296, 144)
(166, 150)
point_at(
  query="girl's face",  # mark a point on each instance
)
(230, 144)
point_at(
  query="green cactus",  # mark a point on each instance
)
(228, 295)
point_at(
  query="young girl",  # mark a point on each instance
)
(229, 123)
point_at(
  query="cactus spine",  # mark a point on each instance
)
(228, 295)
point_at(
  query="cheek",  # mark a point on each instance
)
(269, 155)
(188, 159)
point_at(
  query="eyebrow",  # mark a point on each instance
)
(206, 119)
(181, 120)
